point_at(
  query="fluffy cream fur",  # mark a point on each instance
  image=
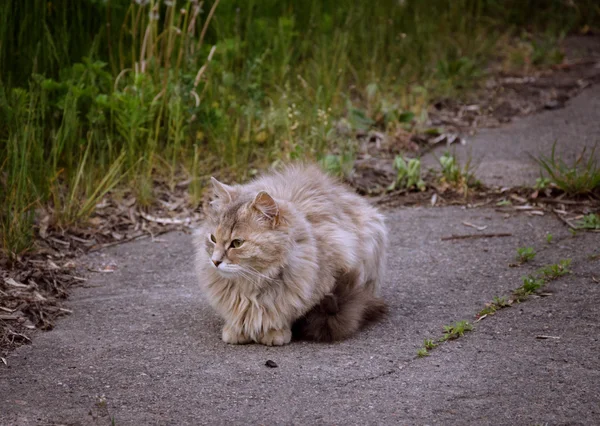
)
(271, 250)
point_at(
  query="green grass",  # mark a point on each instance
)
(456, 330)
(227, 89)
(492, 307)
(556, 270)
(531, 285)
(579, 178)
(589, 221)
(534, 282)
(525, 254)
(457, 176)
(422, 352)
(428, 345)
(542, 183)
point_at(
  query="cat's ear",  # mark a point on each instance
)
(267, 206)
(224, 193)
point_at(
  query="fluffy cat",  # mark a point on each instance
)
(291, 246)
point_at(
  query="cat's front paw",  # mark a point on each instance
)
(234, 337)
(276, 337)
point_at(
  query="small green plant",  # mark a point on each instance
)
(531, 284)
(504, 203)
(450, 170)
(582, 177)
(589, 221)
(454, 175)
(492, 307)
(429, 344)
(501, 302)
(409, 174)
(542, 183)
(489, 309)
(549, 238)
(456, 330)
(551, 272)
(525, 254)
(422, 352)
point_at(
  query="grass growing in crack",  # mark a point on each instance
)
(549, 238)
(501, 302)
(456, 330)
(451, 332)
(589, 221)
(429, 344)
(494, 306)
(581, 177)
(525, 254)
(531, 285)
(408, 174)
(422, 352)
(556, 270)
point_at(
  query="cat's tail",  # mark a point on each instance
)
(341, 313)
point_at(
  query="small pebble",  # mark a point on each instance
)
(271, 364)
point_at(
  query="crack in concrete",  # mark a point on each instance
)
(370, 378)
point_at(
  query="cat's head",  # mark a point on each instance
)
(246, 235)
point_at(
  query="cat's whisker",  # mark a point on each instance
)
(259, 274)
(248, 277)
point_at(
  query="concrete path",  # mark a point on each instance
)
(143, 348)
(505, 156)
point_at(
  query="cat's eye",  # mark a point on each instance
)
(237, 243)
(213, 238)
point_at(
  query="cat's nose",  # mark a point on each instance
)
(217, 262)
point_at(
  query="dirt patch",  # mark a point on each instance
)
(506, 95)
